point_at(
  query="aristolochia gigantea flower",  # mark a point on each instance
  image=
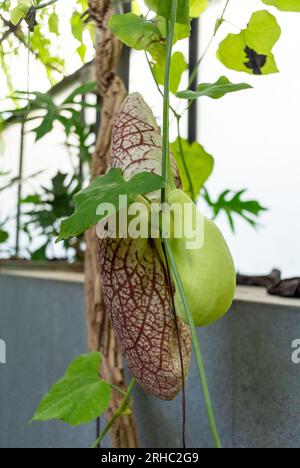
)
(136, 288)
(135, 284)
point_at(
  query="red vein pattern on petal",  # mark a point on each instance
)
(138, 300)
(135, 286)
(136, 141)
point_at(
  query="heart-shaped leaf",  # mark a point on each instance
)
(106, 189)
(3, 236)
(195, 165)
(250, 51)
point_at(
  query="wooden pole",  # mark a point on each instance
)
(101, 336)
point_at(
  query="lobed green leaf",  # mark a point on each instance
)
(213, 90)
(106, 189)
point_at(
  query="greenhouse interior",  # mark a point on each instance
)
(149, 242)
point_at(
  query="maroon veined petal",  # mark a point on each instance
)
(139, 303)
(136, 140)
(135, 287)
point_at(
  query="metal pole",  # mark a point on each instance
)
(193, 58)
(124, 63)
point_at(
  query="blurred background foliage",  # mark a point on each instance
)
(60, 23)
(56, 41)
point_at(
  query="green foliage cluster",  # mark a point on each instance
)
(250, 51)
(39, 24)
(43, 211)
(106, 189)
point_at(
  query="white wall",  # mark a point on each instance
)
(254, 137)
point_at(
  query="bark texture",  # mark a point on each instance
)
(100, 333)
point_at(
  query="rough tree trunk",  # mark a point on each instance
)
(100, 333)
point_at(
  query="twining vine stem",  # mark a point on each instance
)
(45, 5)
(219, 23)
(178, 116)
(119, 412)
(170, 27)
(186, 169)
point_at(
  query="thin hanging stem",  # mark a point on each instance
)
(176, 115)
(22, 149)
(199, 359)
(169, 277)
(117, 414)
(170, 28)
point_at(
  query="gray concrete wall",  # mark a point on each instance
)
(42, 323)
(254, 384)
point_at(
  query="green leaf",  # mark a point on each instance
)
(77, 26)
(197, 7)
(195, 165)
(135, 31)
(215, 91)
(82, 50)
(250, 51)
(80, 396)
(20, 11)
(46, 125)
(106, 189)
(246, 209)
(181, 31)
(53, 23)
(163, 8)
(83, 89)
(42, 45)
(40, 255)
(3, 236)
(178, 67)
(284, 5)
